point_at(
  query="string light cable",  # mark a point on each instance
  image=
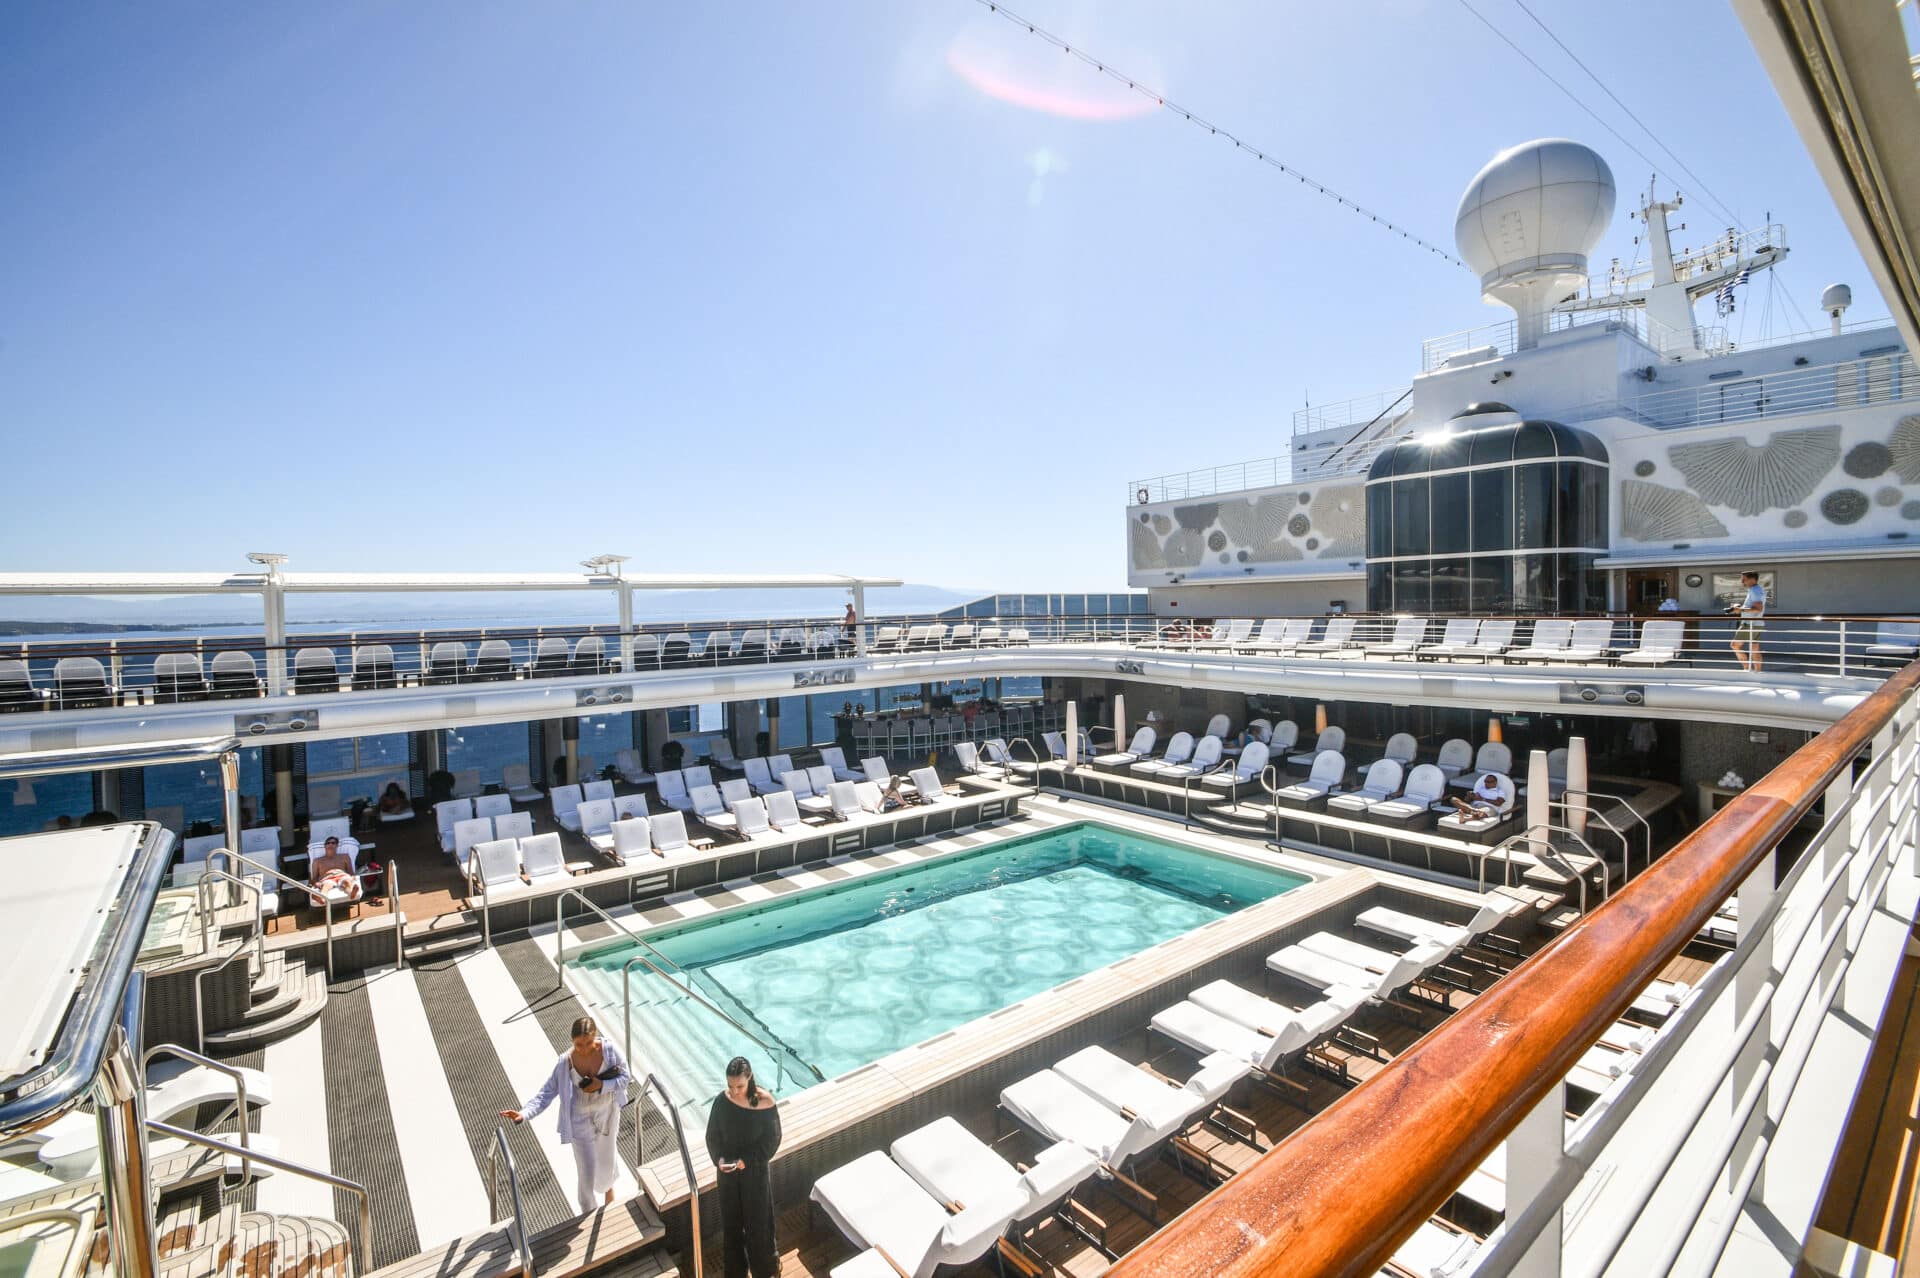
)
(1240, 144)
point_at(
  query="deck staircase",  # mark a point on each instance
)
(233, 1243)
(443, 935)
(284, 996)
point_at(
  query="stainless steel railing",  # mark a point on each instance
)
(303, 888)
(500, 1153)
(776, 1054)
(361, 1240)
(219, 1067)
(672, 1109)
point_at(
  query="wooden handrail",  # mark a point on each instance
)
(1344, 1190)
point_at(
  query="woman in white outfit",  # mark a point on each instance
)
(590, 1082)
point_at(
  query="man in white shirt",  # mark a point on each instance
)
(1487, 799)
(1746, 635)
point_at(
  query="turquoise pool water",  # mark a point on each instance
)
(836, 978)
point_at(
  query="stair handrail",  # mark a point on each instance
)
(1619, 806)
(1270, 782)
(203, 898)
(294, 883)
(285, 1165)
(686, 1157)
(499, 1153)
(559, 963)
(1013, 748)
(221, 1067)
(1529, 837)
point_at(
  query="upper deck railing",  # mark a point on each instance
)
(1637, 1184)
(64, 674)
(1884, 378)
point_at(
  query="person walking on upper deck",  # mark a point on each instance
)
(1746, 635)
(590, 1081)
(743, 1133)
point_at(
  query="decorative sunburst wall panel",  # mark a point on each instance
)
(1759, 483)
(1271, 532)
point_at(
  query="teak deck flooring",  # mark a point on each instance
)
(1870, 1190)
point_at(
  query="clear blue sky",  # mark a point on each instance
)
(754, 286)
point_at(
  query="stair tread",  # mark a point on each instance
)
(312, 1000)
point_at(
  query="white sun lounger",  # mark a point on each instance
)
(1494, 910)
(1550, 640)
(954, 1165)
(669, 831)
(1139, 748)
(566, 807)
(1433, 1252)
(926, 786)
(1048, 1104)
(710, 808)
(596, 823)
(518, 781)
(1321, 971)
(1333, 737)
(1130, 1091)
(759, 777)
(1329, 770)
(1380, 784)
(1179, 750)
(184, 1093)
(1659, 644)
(1455, 640)
(800, 789)
(750, 816)
(1424, 954)
(632, 837)
(831, 757)
(496, 867)
(672, 789)
(1336, 637)
(844, 799)
(466, 834)
(544, 860)
(782, 812)
(1222, 1020)
(1408, 633)
(1205, 758)
(876, 1204)
(446, 814)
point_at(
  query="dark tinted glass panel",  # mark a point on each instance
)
(1410, 591)
(1567, 497)
(1380, 587)
(1493, 445)
(1590, 446)
(1449, 452)
(1410, 516)
(1451, 591)
(1410, 458)
(1593, 506)
(1492, 585)
(1533, 501)
(1383, 464)
(1533, 439)
(1379, 521)
(1447, 511)
(1534, 587)
(1492, 510)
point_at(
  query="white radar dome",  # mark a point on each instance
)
(1528, 221)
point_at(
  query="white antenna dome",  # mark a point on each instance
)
(1528, 221)
(1835, 298)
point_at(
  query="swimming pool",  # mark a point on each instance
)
(835, 978)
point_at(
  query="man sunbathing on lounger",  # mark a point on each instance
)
(333, 870)
(1486, 799)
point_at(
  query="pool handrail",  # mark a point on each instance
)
(651, 1080)
(560, 980)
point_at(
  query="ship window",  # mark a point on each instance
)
(1447, 512)
(1451, 584)
(1535, 588)
(1533, 494)
(1493, 510)
(1410, 517)
(1411, 592)
(1533, 439)
(1492, 584)
(1492, 446)
(1379, 521)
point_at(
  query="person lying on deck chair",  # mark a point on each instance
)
(331, 870)
(1486, 799)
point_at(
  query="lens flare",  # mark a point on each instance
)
(1074, 92)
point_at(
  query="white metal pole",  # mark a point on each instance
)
(1073, 734)
(1119, 721)
(860, 621)
(625, 595)
(274, 603)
